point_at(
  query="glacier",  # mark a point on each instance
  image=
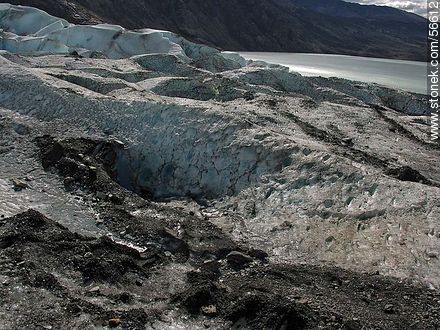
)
(200, 153)
(30, 31)
(313, 170)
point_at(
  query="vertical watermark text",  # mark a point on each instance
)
(433, 67)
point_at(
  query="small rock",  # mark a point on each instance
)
(87, 160)
(389, 309)
(307, 151)
(209, 310)
(174, 244)
(100, 195)
(347, 141)
(432, 254)
(286, 225)
(171, 232)
(238, 258)
(212, 266)
(21, 129)
(114, 322)
(329, 241)
(68, 180)
(115, 199)
(119, 144)
(125, 297)
(19, 185)
(302, 300)
(88, 255)
(95, 289)
(258, 254)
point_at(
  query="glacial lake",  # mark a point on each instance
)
(405, 75)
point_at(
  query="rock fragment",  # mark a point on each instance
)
(210, 310)
(258, 254)
(113, 323)
(95, 289)
(389, 309)
(68, 180)
(236, 258)
(19, 185)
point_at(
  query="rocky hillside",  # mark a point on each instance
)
(253, 25)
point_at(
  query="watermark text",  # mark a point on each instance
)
(433, 66)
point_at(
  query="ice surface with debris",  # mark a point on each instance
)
(313, 169)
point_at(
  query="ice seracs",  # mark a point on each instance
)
(30, 31)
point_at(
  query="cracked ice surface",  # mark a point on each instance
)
(174, 149)
(313, 169)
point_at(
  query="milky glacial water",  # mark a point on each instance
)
(406, 75)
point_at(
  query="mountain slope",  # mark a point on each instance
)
(340, 8)
(253, 25)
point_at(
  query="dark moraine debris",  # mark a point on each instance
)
(73, 281)
(406, 173)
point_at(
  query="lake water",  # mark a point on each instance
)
(406, 75)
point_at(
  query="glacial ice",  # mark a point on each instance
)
(30, 31)
(267, 145)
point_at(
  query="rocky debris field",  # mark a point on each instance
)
(165, 267)
(187, 188)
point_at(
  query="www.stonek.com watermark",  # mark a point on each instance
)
(433, 67)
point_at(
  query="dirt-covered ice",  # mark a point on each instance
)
(224, 174)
